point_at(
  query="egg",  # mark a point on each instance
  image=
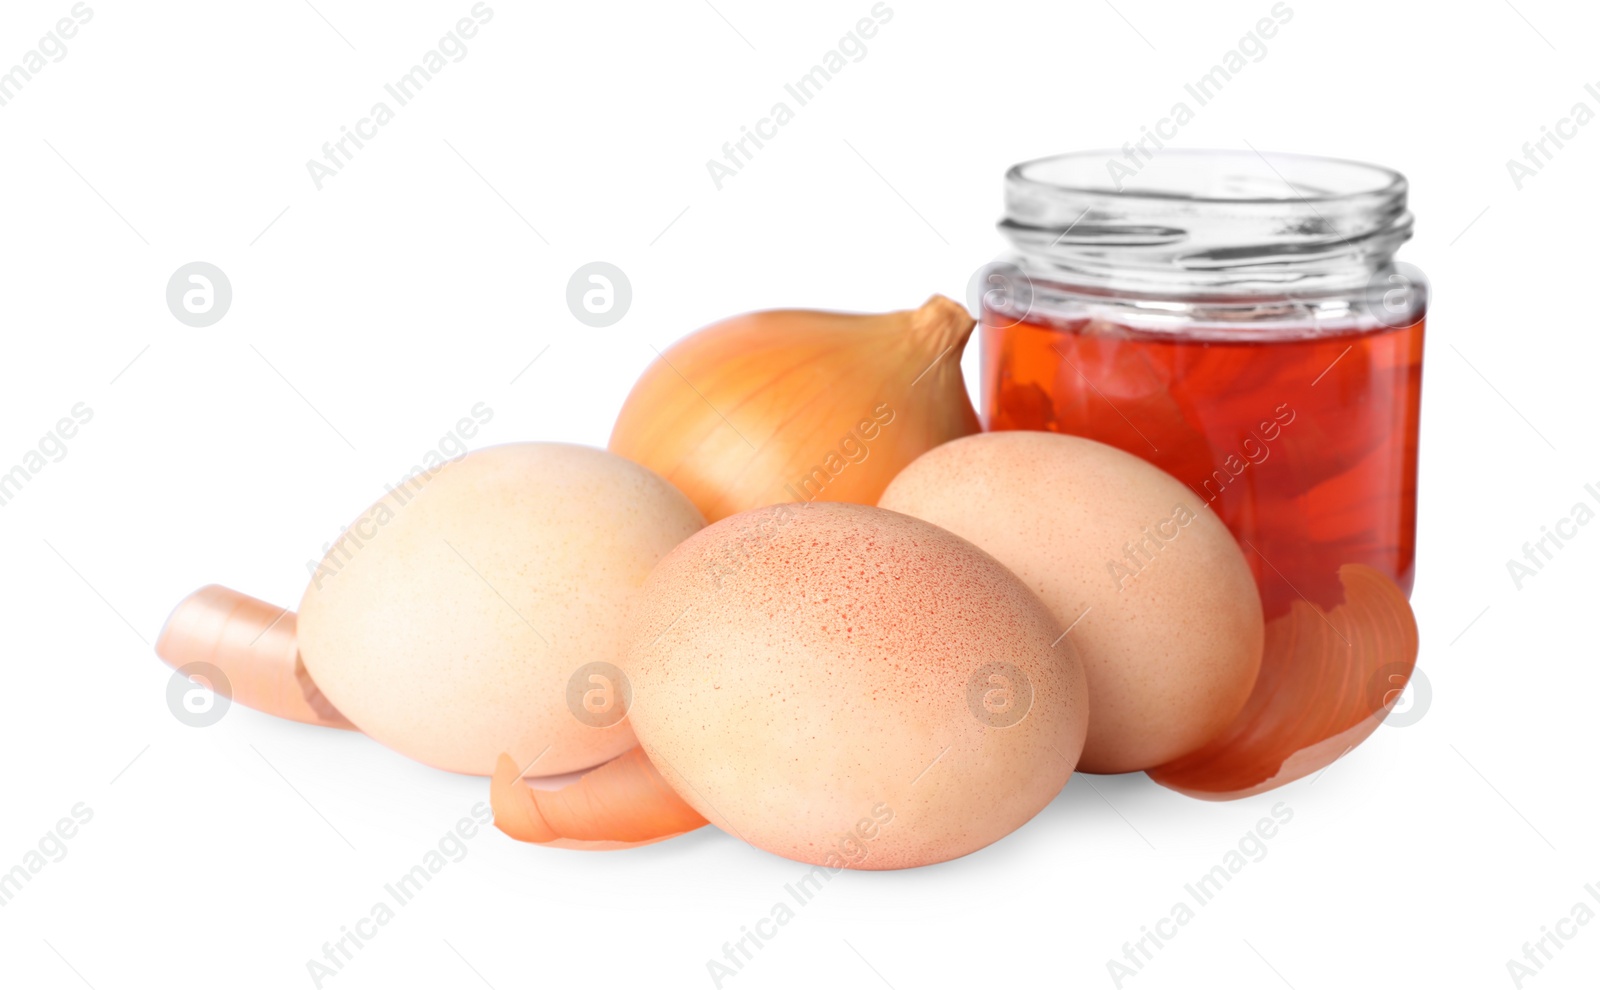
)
(479, 608)
(851, 687)
(1158, 597)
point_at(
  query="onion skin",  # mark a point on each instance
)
(618, 805)
(1328, 680)
(255, 647)
(799, 406)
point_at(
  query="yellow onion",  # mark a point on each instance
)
(799, 406)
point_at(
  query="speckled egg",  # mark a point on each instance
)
(1157, 594)
(479, 608)
(852, 687)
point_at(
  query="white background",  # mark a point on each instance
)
(373, 314)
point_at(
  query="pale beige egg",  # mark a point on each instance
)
(852, 687)
(1156, 592)
(479, 609)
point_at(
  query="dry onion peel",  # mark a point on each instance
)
(799, 406)
(1327, 681)
(253, 644)
(618, 805)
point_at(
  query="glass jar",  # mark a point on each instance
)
(1236, 319)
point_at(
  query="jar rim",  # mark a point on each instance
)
(1205, 220)
(1172, 167)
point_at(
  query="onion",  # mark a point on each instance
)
(799, 406)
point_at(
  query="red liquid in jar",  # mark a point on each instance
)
(1305, 446)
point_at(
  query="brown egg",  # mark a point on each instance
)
(851, 687)
(469, 611)
(1159, 599)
